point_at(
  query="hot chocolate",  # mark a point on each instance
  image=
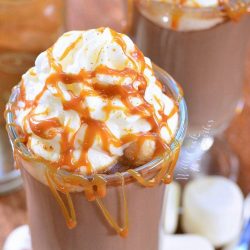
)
(92, 102)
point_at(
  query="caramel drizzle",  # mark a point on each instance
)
(121, 230)
(95, 189)
(165, 173)
(68, 213)
(176, 14)
(48, 128)
(70, 48)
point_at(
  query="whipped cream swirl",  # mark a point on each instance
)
(91, 100)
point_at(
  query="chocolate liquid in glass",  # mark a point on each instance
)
(49, 230)
(209, 64)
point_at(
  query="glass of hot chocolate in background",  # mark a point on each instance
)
(26, 29)
(131, 205)
(204, 49)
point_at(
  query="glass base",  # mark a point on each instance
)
(10, 178)
(206, 156)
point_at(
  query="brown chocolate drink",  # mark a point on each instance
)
(67, 144)
(49, 231)
(209, 63)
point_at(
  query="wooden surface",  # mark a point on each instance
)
(88, 13)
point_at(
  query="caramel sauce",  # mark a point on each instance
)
(165, 174)
(121, 230)
(71, 47)
(94, 190)
(42, 128)
(68, 213)
(177, 13)
(95, 187)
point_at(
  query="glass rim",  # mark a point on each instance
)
(176, 93)
(215, 11)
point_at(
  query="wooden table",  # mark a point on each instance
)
(81, 15)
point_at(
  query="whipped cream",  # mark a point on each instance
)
(70, 109)
(190, 19)
(195, 3)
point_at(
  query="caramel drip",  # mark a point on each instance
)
(165, 174)
(15, 152)
(94, 190)
(121, 230)
(177, 13)
(68, 213)
(167, 179)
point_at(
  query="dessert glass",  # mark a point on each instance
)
(98, 222)
(208, 59)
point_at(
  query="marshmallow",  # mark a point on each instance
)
(170, 211)
(185, 242)
(19, 239)
(212, 207)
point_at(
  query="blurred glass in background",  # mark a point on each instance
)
(89, 14)
(27, 27)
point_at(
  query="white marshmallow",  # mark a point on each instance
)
(170, 210)
(185, 242)
(212, 207)
(19, 239)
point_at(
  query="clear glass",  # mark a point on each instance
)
(92, 231)
(27, 27)
(219, 160)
